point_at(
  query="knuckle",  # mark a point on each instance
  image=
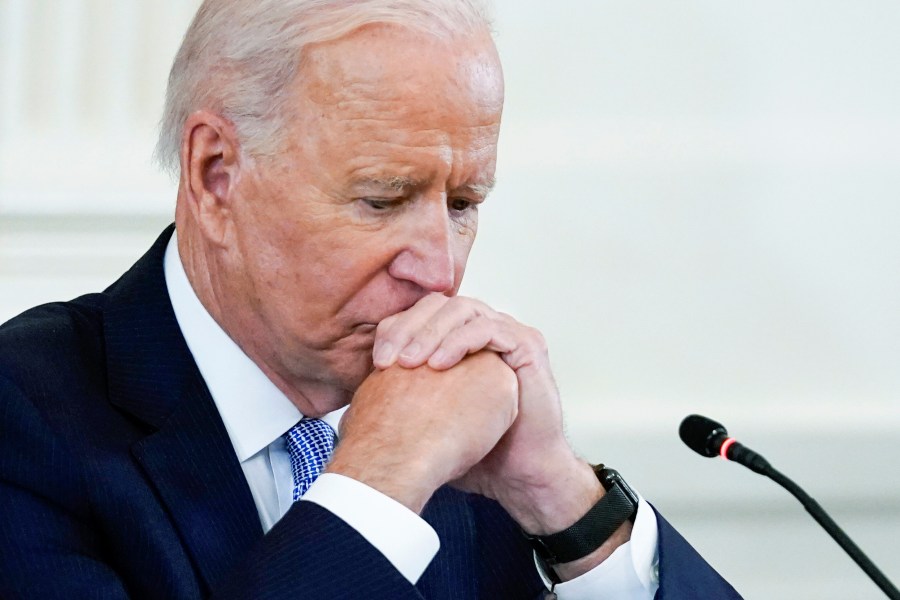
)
(455, 340)
(436, 299)
(471, 304)
(483, 322)
(384, 326)
(428, 331)
(537, 339)
(479, 305)
(506, 318)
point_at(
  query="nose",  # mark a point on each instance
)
(427, 257)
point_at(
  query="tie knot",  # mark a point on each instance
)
(310, 444)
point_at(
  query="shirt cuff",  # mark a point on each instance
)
(402, 536)
(629, 573)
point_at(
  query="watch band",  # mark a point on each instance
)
(618, 505)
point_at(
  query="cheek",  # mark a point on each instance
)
(331, 270)
(461, 250)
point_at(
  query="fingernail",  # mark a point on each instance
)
(384, 353)
(438, 358)
(411, 351)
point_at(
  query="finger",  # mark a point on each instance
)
(425, 339)
(481, 333)
(394, 332)
(530, 350)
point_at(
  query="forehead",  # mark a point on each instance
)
(381, 67)
(386, 101)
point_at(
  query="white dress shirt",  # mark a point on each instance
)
(256, 414)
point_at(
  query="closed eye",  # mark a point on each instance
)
(379, 203)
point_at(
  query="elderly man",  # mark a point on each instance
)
(164, 438)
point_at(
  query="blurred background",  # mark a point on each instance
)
(697, 203)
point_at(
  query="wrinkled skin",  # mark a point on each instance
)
(353, 241)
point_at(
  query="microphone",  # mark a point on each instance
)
(705, 436)
(709, 438)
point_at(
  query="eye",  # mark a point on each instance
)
(461, 204)
(378, 203)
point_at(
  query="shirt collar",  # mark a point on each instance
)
(255, 412)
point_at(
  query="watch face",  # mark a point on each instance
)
(607, 476)
(610, 477)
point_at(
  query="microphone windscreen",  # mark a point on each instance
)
(701, 434)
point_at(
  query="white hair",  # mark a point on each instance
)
(239, 57)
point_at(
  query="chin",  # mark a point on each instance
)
(348, 374)
(332, 382)
(356, 378)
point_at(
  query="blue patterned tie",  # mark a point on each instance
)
(309, 443)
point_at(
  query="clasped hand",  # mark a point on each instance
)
(464, 394)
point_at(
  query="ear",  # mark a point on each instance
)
(210, 165)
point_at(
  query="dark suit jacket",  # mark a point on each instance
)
(117, 478)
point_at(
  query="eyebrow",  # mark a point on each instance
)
(400, 183)
(481, 189)
(397, 182)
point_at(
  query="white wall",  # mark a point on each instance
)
(697, 203)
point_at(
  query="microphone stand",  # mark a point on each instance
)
(836, 533)
(710, 438)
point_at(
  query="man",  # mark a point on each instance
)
(163, 438)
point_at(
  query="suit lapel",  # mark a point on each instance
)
(192, 464)
(187, 455)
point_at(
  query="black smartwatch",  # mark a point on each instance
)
(619, 504)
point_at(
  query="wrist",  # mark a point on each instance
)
(575, 568)
(596, 535)
(555, 500)
(404, 481)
